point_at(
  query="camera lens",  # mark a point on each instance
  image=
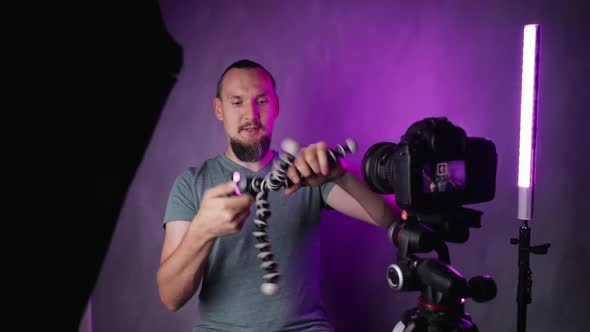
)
(378, 167)
(395, 278)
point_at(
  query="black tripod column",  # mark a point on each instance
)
(525, 280)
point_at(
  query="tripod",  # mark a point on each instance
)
(421, 319)
(441, 304)
(259, 187)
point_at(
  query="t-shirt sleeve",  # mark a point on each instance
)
(182, 203)
(325, 190)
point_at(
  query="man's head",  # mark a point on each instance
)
(247, 103)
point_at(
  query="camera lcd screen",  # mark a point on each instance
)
(447, 176)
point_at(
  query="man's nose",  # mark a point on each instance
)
(253, 111)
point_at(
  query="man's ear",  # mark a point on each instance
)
(217, 109)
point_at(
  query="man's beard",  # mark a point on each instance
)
(249, 153)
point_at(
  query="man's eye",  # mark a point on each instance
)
(236, 103)
(262, 101)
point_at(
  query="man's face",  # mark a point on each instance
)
(248, 108)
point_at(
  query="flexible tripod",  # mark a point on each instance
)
(260, 187)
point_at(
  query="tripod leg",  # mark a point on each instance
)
(467, 326)
(411, 322)
(399, 327)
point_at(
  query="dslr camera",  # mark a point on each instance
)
(433, 171)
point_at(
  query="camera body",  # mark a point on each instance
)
(435, 166)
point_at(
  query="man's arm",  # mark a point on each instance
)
(184, 254)
(187, 245)
(352, 197)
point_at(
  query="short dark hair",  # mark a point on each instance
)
(243, 64)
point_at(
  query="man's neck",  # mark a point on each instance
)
(253, 166)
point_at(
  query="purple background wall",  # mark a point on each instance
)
(368, 70)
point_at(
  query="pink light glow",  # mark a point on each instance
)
(236, 178)
(528, 105)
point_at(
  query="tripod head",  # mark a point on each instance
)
(443, 289)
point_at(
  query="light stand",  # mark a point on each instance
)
(526, 168)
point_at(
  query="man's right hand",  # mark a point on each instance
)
(220, 215)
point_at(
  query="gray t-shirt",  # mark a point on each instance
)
(230, 298)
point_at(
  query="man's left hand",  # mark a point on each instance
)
(313, 167)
